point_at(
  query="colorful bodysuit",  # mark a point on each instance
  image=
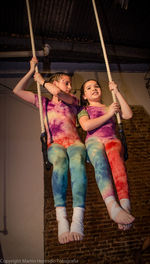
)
(66, 151)
(104, 137)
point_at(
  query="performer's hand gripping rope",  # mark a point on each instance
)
(43, 132)
(120, 125)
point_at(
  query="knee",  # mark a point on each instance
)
(114, 146)
(59, 161)
(78, 155)
(97, 155)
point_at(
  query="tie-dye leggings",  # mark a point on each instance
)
(114, 152)
(96, 153)
(62, 159)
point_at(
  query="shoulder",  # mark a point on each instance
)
(82, 111)
(44, 100)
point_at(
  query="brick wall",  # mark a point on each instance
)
(103, 242)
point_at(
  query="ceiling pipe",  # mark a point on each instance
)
(17, 54)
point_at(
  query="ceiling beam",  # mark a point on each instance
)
(73, 51)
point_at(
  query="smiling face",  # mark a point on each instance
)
(64, 83)
(92, 91)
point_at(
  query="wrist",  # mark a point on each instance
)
(117, 91)
(109, 114)
(31, 71)
(44, 82)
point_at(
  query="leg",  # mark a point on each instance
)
(77, 155)
(97, 156)
(114, 153)
(58, 157)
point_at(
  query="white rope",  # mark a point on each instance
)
(36, 68)
(105, 55)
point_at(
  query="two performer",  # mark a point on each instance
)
(67, 151)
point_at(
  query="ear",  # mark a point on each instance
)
(84, 97)
(56, 83)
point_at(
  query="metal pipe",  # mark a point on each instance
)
(17, 54)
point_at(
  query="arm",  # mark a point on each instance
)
(67, 98)
(88, 124)
(126, 111)
(54, 89)
(23, 83)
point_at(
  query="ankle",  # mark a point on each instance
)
(77, 220)
(78, 214)
(109, 200)
(125, 204)
(61, 217)
(61, 213)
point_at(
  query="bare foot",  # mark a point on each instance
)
(125, 204)
(64, 238)
(75, 236)
(76, 231)
(119, 215)
(63, 231)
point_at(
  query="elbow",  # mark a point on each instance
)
(84, 127)
(14, 91)
(128, 116)
(131, 115)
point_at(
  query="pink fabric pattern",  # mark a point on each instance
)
(62, 121)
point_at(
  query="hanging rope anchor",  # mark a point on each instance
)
(43, 136)
(120, 125)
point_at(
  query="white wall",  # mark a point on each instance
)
(131, 85)
(21, 167)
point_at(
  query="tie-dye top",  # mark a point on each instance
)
(104, 132)
(62, 121)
